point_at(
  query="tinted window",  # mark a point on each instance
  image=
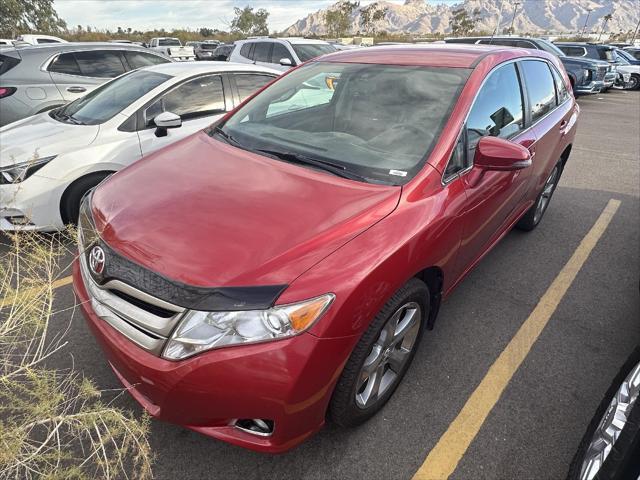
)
(573, 51)
(100, 63)
(262, 52)
(498, 109)
(606, 54)
(561, 87)
(245, 51)
(168, 42)
(7, 63)
(542, 94)
(196, 98)
(378, 121)
(65, 63)
(525, 44)
(46, 40)
(111, 98)
(458, 159)
(248, 84)
(312, 50)
(142, 59)
(498, 41)
(280, 52)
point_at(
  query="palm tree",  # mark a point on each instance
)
(605, 20)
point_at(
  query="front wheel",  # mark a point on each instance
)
(70, 202)
(532, 218)
(633, 83)
(381, 357)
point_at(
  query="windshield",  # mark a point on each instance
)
(624, 57)
(312, 50)
(106, 101)
(169, 42)
(551, 48)
(378, 121)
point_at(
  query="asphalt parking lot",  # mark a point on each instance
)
(532, 430)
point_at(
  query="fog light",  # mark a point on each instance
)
(19, 220)
(255, 426)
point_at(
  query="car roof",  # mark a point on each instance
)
(43, 47)
(195, 68)
(301, 40)
(460, 55)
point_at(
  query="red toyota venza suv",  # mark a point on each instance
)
(281, 266)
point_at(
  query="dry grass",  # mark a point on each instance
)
(54, 424)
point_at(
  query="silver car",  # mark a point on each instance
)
(38, 78)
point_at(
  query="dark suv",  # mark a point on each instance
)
(593, 51)
(586, 75)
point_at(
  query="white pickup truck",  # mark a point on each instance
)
(172, 47)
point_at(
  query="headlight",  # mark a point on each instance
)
(21, 171)
(200, 331)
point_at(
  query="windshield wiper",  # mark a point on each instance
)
(228, 138)
(335, 168)
(63, 117)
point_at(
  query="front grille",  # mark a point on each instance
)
(601, 73)
(156, 310)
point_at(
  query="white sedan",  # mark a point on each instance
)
(50, 160)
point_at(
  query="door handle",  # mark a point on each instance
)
(563, 124)
(76, 89)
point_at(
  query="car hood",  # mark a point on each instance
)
(205, 213)
(41, 136)
(629, 68)
(585, 62)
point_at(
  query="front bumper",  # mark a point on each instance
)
(289, 381)
(591, 87)
(610, 79)
(36, 201)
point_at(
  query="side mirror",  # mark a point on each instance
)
(164, 121)
(493, 153)
(286, 62)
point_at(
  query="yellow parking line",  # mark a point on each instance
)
(443, 459)
(61, 282)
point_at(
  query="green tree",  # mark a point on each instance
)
(370, 15)
(24, 16)
(248, 22)
(338, 19)
(462, 23)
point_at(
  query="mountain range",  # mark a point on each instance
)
(530, 16)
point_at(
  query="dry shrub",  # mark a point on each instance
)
(54, 424)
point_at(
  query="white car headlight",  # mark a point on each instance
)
(21, 171)
(199, 331)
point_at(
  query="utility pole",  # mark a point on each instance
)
(584, 29)
(496, 31)
(515, 9)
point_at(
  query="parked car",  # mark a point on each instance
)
(34, 79)
(635, 51)
(204, 50)
(5, 41)
(629, 73)
(284, 264)
(37, 39)
(221, 53)
(50, 160)
(278, 53)
(586, 75)
(627, 56)
(172, 47)
(611, 445)
(596, 52)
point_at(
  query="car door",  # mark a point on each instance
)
(493, 197)
(76, 73)
(279, 53)
(262, 54)
(198, 101)
(550, 112)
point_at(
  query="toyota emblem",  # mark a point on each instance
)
(97, 260)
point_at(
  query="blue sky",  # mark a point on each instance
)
(149, 14)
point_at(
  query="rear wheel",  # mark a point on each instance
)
(70, 202)
(532, 218)
(633, 83)
(381, 357)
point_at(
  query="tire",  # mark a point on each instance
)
(532, 218)
(347, 407)
(623, 460)
(633, 83)
(72, 196)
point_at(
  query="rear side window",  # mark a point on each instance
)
(92, 63)
(498, 109)
(142, 59)
(542, 92)
(262, 52)
(573, 51)
(46, 40)
(606, 54)
(7, 63)
(199, 97)
(245, 51)
(248, 84)
(562, 93)
(280, 52)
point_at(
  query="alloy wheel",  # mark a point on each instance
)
(383, 366)
(547, 191)
(611, 425)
